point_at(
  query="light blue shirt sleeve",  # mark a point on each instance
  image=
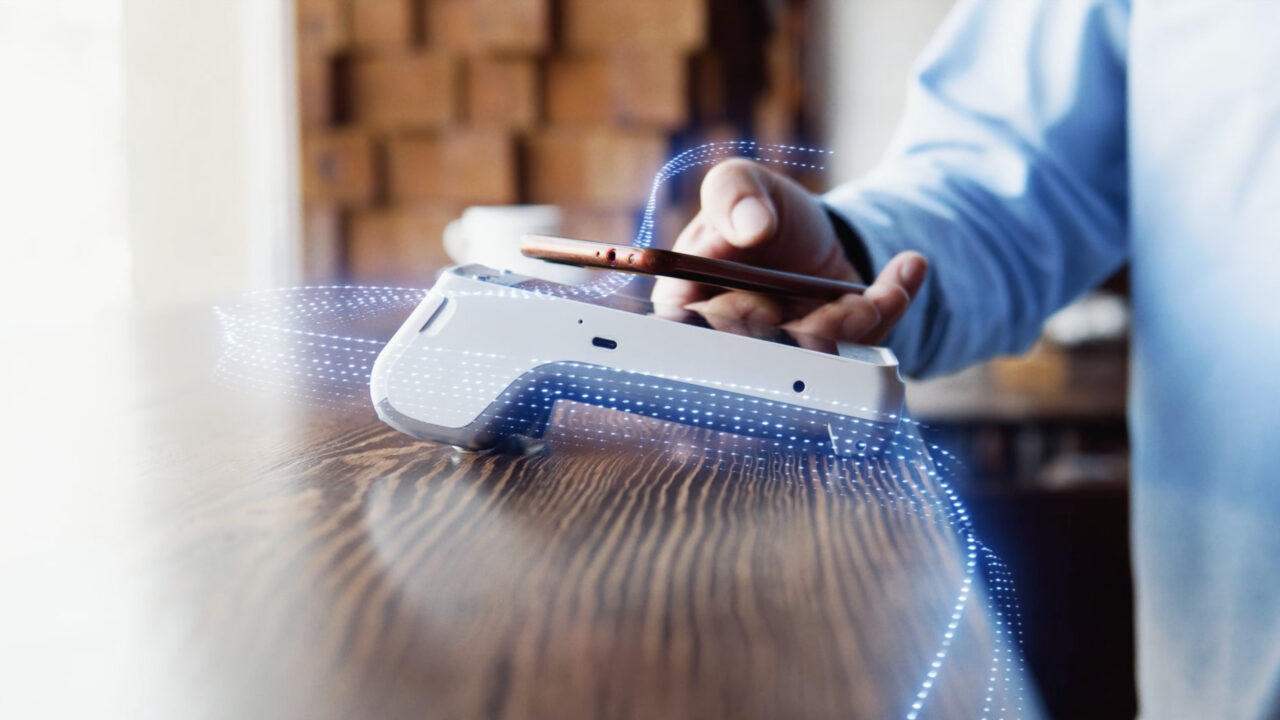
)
(1008, 173)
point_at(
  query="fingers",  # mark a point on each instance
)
(867, 318)
(744, 209)
(737, 203)
(894, 289)
(743, 306)
(850, 318)
(737, 214)
(697, 238)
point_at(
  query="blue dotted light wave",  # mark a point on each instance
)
(789, 156)
(317, 345)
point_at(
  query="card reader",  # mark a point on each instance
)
(486, 355)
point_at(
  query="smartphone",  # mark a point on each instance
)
(668, 263)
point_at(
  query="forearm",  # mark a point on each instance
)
(1008, 174)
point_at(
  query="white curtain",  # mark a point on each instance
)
(63, 236)
(146, 154)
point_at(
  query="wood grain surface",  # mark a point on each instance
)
(296, 560)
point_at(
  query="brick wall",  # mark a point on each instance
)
(414, 109)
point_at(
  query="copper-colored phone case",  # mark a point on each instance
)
(667, 263)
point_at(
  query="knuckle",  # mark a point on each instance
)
(858, 320)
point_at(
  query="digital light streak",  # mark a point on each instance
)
(792, 156)
(318, 345)
(304, 342)
(308, 343)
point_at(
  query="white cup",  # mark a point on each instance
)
(490, 235)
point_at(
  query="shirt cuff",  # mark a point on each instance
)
(854, 249)
(861, 233)
(878, 236)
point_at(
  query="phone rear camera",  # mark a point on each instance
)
(798, 386)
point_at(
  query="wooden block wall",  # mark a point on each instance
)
(413, 110)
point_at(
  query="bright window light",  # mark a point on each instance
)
(63, 234)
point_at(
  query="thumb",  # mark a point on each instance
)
(736, 201)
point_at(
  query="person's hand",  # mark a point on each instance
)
(755, 216)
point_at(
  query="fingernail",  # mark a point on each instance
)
(911, 269)
(750, 218)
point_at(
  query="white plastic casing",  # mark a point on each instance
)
(475, 343)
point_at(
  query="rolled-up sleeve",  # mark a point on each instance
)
(1008, 172)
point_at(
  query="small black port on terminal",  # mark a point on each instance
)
(798, 386)
(605, 343)
(612, 256)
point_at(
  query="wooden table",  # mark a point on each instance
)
(182, 546)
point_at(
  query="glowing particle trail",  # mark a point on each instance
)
(318, 344)
(307, 342)
(793, 156)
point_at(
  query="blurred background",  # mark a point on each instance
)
(162, 153)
